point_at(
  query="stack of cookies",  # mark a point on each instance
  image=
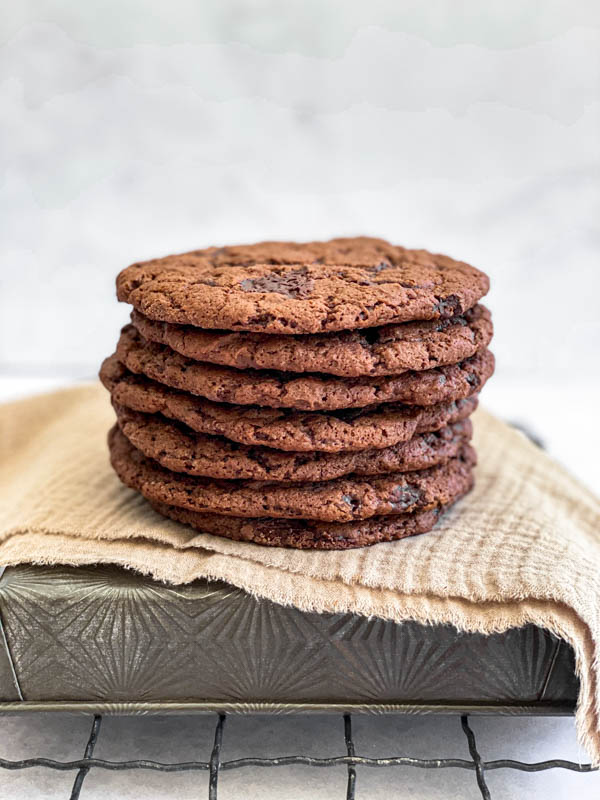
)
(303, 395)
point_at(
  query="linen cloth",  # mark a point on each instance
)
(522, 547)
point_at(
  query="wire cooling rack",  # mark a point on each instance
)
(352, 761)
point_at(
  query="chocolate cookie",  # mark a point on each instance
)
(304, 392)
(307, 534)
(283, 287)
(340, 500)
(179, 449)
(282, 429)
(388, 350)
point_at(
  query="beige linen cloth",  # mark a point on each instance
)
(523, 547)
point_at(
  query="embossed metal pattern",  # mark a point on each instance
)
(101, 637)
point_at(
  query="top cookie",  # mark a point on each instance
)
(284, 287)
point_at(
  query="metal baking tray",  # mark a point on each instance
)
(104, 639)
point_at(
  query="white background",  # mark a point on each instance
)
(132, 129)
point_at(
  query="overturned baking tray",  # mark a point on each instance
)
(103, 639)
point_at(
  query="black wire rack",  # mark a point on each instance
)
(351, 760)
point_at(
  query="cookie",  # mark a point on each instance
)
(283, 429)
(388, 350)
(340, 500)
(284, 287)
(303, 392)
(179, 449)
(308, 534)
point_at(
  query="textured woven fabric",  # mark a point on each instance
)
(523, 547)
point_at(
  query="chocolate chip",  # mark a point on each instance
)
(382, 265)
(449, 306)
(295, 283)
(351, 501)
(403, 497)
(262, 319)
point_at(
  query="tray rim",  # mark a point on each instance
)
(193, 707)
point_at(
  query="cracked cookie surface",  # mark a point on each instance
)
(307, 534)
(387, 350)
(304, 392)
(179, 449)
(290, 288)
(282, 428)
(341, 500)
